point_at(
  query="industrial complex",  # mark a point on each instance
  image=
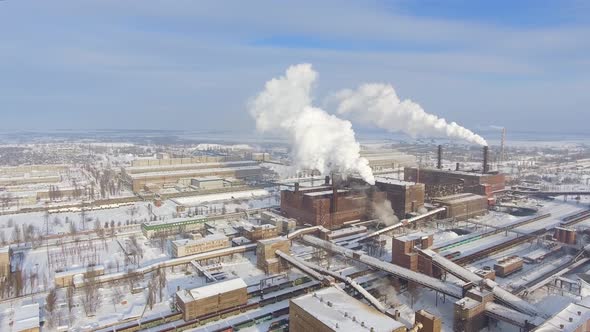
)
(225, 240)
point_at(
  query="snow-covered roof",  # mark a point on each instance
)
(140, 169)
(211, 289)
(26, 317)
(340, 311)
(191, 172)
(208, 238)
(394, 181)
(569, 319)
(325, 192)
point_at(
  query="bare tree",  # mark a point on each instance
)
(161, 281)
(70, 297)
(91, 298)
(51, 305)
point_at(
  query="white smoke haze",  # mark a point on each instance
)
(319, 140)
(384, 212)
(378, 105)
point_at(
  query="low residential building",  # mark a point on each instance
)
(211, 242)
(221, 295)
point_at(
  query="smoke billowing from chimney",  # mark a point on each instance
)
(379, 105)
(384, 212)
(319, 140)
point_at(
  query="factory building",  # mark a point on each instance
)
(284, 225)
(208, 182)
(185, 247)
(429, 322)
(405, 197)
(165, 160)
(440, 182)
(404, 255)
(331, 310)
(211, 298)
(463, 206)
(158, 175)
(172, 226)
(259, 232)
(575, 318)
(266, 258)
(329, 206)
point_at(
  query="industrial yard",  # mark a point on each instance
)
(433, 244)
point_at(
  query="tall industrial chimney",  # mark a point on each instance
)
(439, 158)
(485, 159)
(334, 198)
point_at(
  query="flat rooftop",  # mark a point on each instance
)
(208, 238)
(26, 317)
(393, 181)
(340, 311)
(141, 169)
(191, 172)
(211, 290)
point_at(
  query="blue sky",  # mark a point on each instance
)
(185, 64)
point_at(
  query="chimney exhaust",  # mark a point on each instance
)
(439, 157)
(486, 168)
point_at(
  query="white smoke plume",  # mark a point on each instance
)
(379, 105)
(319, 140)
(384, 212)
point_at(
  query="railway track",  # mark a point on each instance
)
(301, 285)
(497, 248)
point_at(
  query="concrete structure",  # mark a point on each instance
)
(185, 247)
(66, 278)
(26, 318)
(573, 318)
(266, 258)
(328, 206)
(259, 232)
(211, 298)
(430, 322)
(508, 265)
(331, 309)
(4, 262)
(172, 226)
(405, 197)
(404, 255)
(208, 182)
(283, 224)
(463, 206)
